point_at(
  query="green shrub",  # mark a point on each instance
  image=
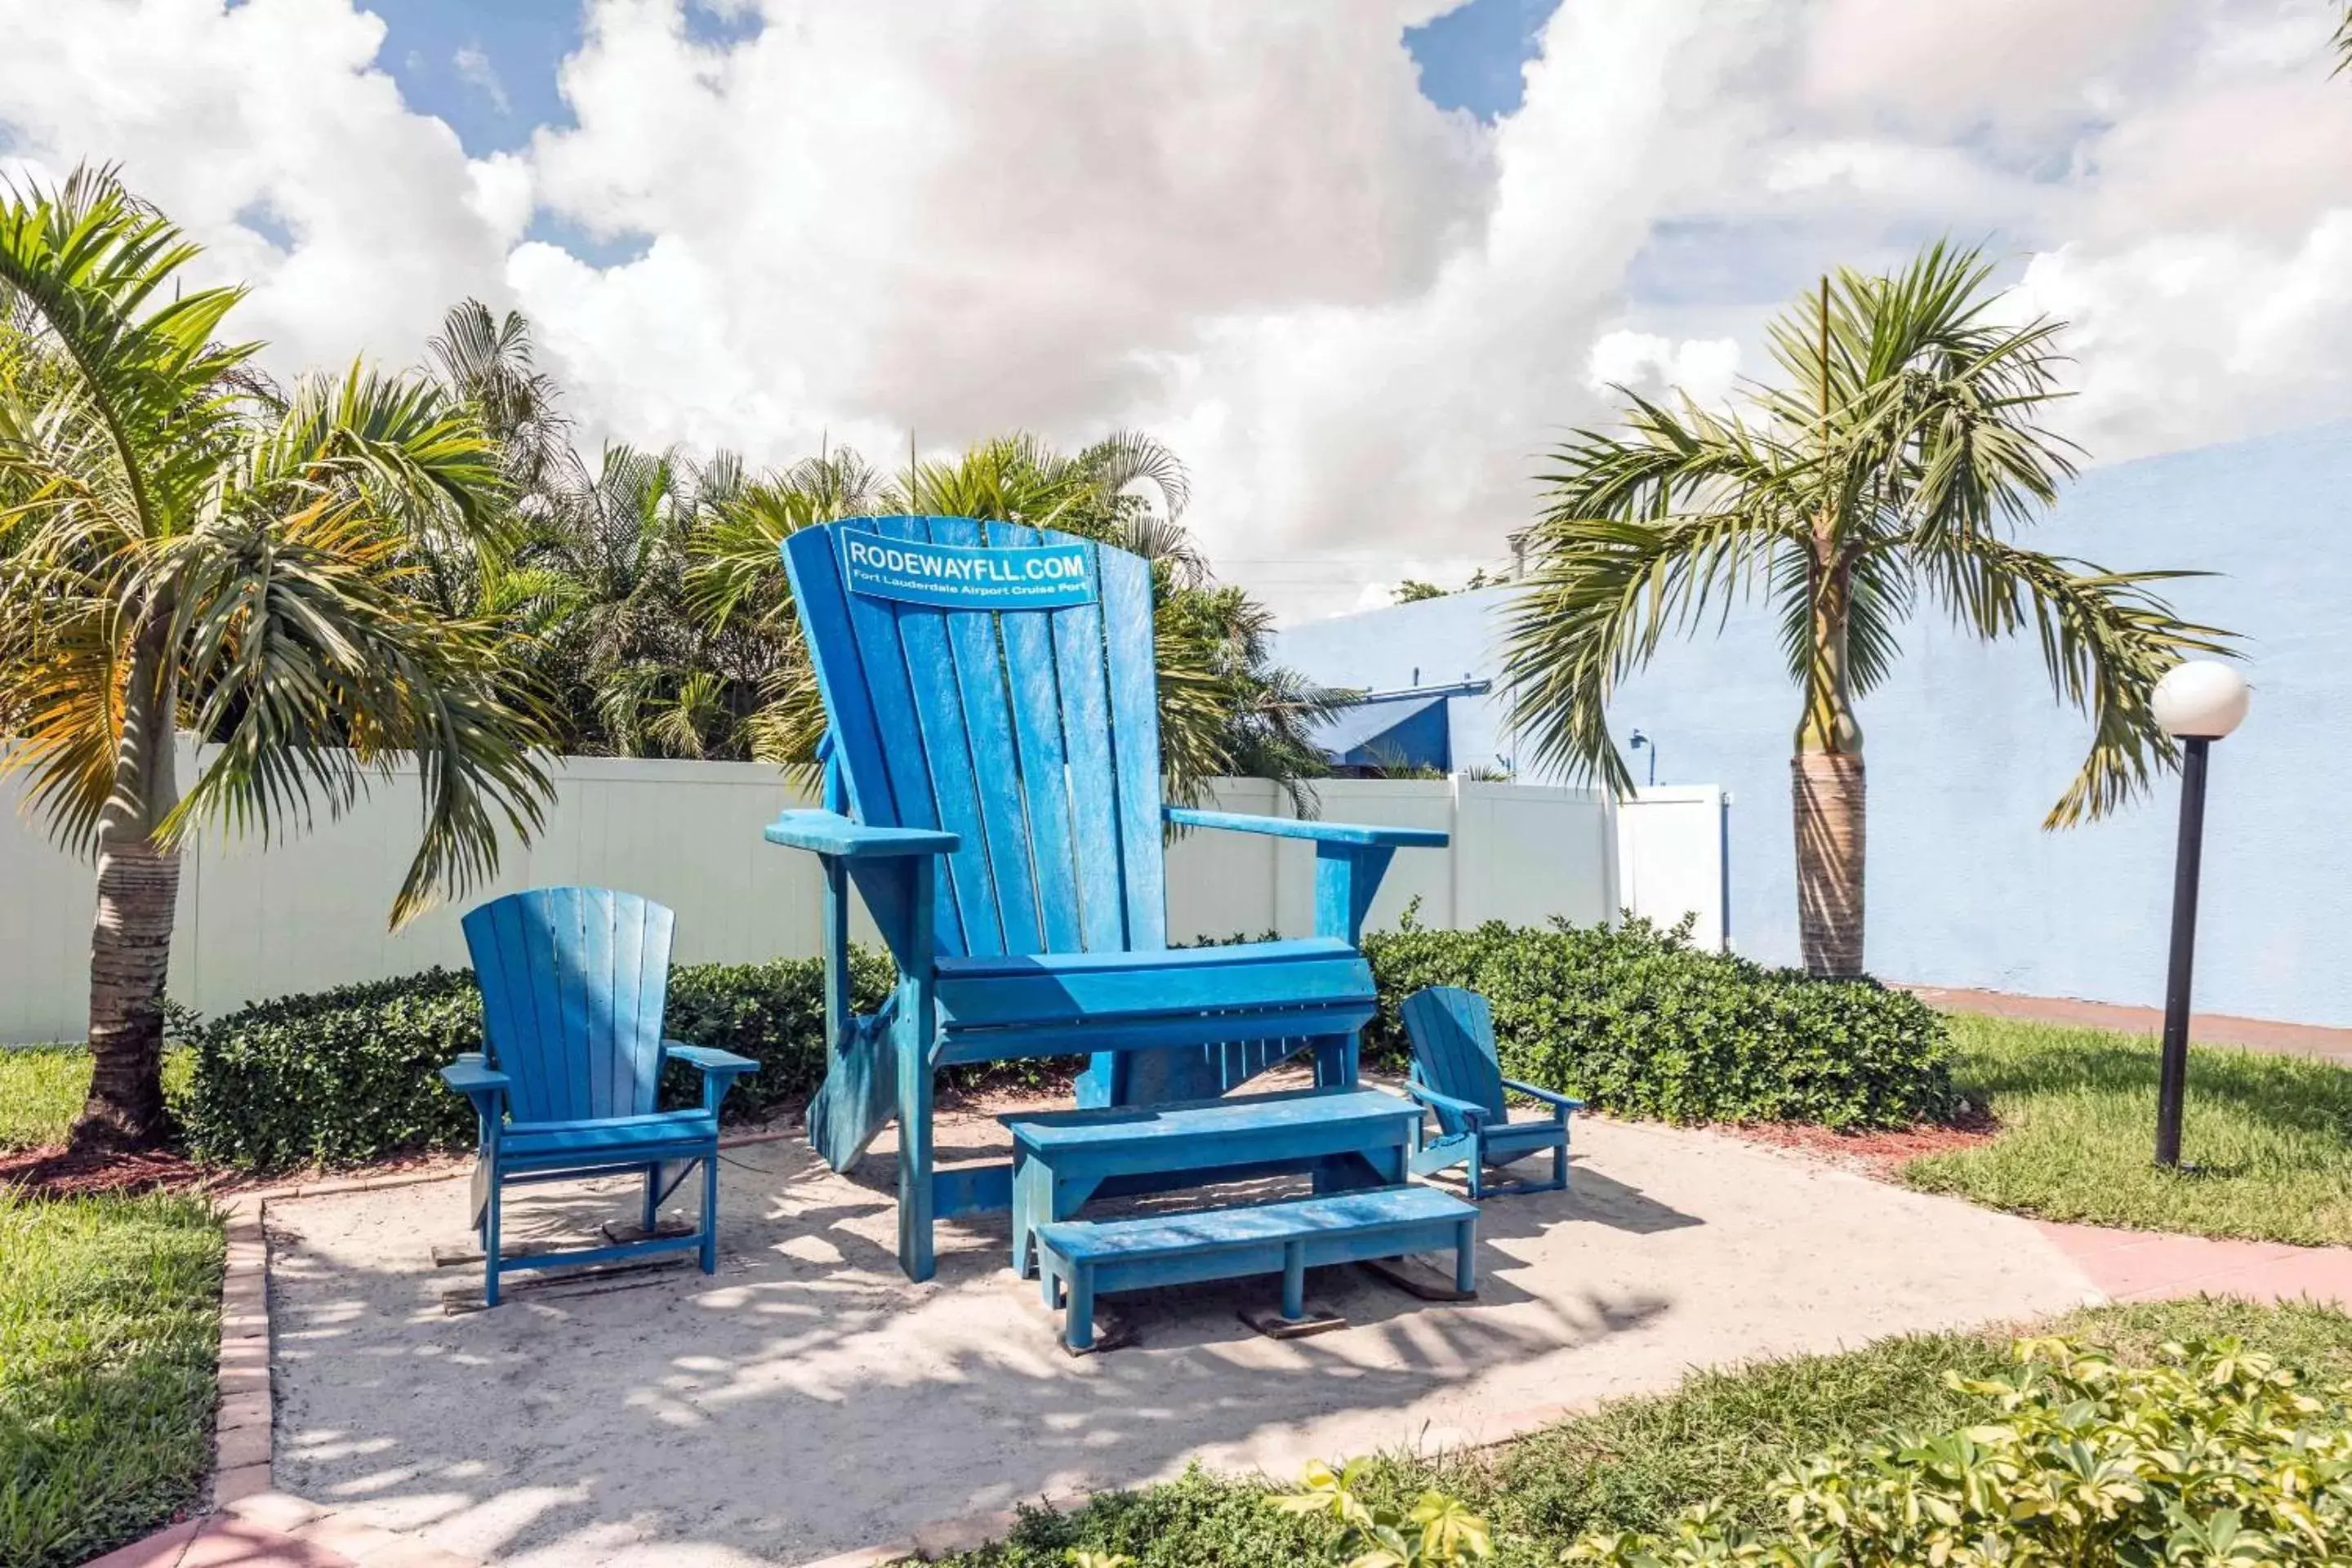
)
(1637, 1022)
(2215, 1457)
(1634, 1020)
(335, 1077)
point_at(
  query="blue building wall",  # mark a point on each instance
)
(1967, 750)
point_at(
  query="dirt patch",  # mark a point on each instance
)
(58, 1172)
(1880, 1154)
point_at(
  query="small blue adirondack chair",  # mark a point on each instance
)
(993, 788)
(573, 982)
(1456, 1073)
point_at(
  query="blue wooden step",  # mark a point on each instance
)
(1347, 1137)
(1079, 1259)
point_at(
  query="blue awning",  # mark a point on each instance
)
(1405, 730)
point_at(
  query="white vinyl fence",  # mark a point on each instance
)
(311, 912)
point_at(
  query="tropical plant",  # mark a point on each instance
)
(183, 547)
(1896, 464)
(1436, 1531)
(2215, 1458)
(1225, 706)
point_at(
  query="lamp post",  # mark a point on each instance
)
(1639, 741)
(2197, 703)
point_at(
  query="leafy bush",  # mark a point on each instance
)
(338, 1076)
(2215, 1457)
(1633, 1019)
(1636, 1021)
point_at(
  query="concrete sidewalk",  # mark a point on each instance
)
(2204, 1029)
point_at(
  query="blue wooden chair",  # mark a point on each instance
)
(573, 982)
(1456, 1074)
(993, 788)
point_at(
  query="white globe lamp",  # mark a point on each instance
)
(2203, 699)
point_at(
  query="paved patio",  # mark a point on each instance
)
(809, 1400)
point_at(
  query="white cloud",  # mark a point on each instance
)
(474, 67)
(1701, 369)
(275, 105)
(1238, 224)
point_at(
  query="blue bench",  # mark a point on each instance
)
(1347, 1137)
(1080, 1259)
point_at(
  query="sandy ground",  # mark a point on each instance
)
(808, 1399)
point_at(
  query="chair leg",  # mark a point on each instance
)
(490, 1243)
(1294, 1281)
(1477, 1169)
(1465, 1264)
(710, 1213)
(653, 1196)
(1078, 1319)
(1559, 1165)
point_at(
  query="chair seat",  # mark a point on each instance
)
(611, 1138)
(1010, 991)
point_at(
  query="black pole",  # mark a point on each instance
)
(2186, 859)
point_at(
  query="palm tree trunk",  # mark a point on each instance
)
(138, 899)
(1825, 783)
(1827, 790)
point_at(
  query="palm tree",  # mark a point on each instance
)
(1224, 708)
(1894, 466)
(183, 546)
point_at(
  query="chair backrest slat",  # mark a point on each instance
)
(573, 982)
(1453, 1033)
(1135, 738)
(1042, 761)
(1031, 731)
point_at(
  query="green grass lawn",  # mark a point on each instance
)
(1722, 1435)
(2271, 1136)
(110, 1320)
(42, 1089)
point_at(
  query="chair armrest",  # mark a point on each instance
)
(1320, 832)
(1475, 1114)
(830, 833)
(472, 1076)
(1562, 1102)
(709, 1059)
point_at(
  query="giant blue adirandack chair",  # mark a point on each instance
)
(573, 981)
(992, 788)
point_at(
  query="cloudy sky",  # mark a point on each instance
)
(1359, 260)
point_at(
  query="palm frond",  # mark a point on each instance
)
(2106, 638)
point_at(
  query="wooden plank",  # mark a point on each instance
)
(1104, 996)
(642, 946)
(1381, 1209)
(979, 679)
(890, 688)
(1205, 1121)
(1135, 741)
(1035, 692)
(1138, 1036)
(1175, 960)
(602, 1047)
(812, 563)
(946, 751)
(1093, 782)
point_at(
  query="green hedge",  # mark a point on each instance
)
(1633, 1019)
(340, 1076)
(1636, 1021)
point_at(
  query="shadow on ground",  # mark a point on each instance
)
(808, 1399)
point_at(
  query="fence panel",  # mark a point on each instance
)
(311, 912)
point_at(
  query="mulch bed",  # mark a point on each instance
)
(59, 1172)
(1880, 1154)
